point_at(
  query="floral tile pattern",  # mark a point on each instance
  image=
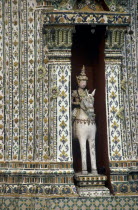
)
(114, 133)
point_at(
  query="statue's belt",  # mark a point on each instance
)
(88, 121)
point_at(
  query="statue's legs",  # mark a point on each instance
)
(92, 155)
(83, 155)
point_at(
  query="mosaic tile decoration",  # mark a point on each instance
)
(26, 108)
(52, 113)
(114, 133)
(25, 98)
(85, 18)
(63, 110)
(132, 75)
(112, 5)
(112, 203)
(115, 5)
(1, 86)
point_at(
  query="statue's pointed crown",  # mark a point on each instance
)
(82, 75)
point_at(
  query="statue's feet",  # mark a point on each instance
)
(94, 172)
(84, 172)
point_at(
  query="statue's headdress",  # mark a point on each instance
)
(82, 75)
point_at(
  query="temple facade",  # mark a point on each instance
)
(43, 46)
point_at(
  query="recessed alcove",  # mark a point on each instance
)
(88, 49)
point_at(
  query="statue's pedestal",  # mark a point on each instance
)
(91, 185)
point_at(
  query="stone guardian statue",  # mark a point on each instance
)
(83, 117)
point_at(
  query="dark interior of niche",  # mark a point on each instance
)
(88, 49)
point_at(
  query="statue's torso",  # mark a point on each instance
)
(78, 95)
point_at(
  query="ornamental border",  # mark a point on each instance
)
(66, 18)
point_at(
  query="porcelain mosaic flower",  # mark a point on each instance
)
(41, 72)
(113, 7)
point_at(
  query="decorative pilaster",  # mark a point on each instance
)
(120, 165)
(113, 59)
(8, 82)
(2, 80)
(16, 76)
(58, 40)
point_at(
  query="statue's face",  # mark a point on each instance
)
(82, 83)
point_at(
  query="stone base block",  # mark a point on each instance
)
(91, 185)
(93, 191)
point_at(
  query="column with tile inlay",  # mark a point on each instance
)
(58, 41)
(122, 167)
